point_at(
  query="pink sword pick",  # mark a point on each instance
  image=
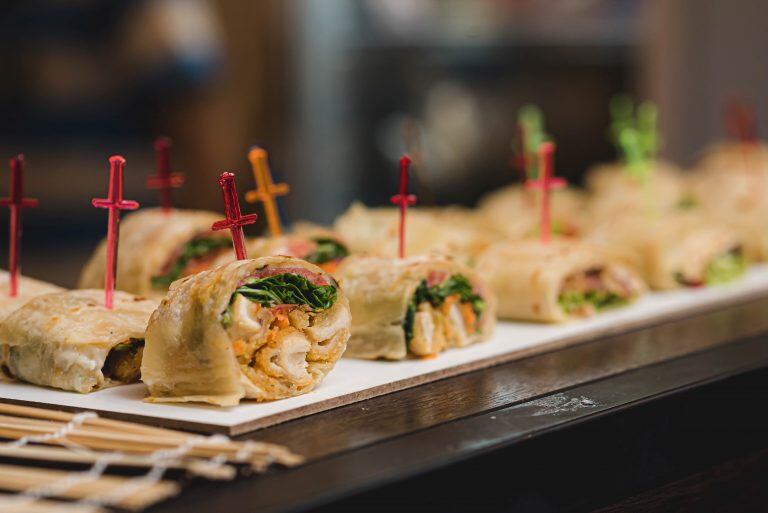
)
(164, 180)
(403, 200)
(235, 220)
(114, 203)
(546, 183)
(15, 203)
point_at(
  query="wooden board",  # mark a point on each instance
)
(356, 380)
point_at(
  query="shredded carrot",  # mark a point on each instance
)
(281, 320)
(469, 317)
(238, 346)
(330, 266)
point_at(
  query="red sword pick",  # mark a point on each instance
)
(546, 183)
(403, 200)
(15, 203)
(164, 180)
(235, 220)
(114, 203)
(740, 120)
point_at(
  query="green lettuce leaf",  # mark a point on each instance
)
(286, 289)
(572, 301)
(327, 251)
(725, 268)
(435, 295)
(194, 249)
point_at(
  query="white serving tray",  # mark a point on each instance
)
(354, 380)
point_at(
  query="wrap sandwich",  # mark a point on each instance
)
(686, 249)
(515, 212)
(418, 305)
(157, 248)
(69, 340)
(556, 282)
(28, 288)
(615, 189)
(455, 231)
(263, 329)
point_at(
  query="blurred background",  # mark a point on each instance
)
(336, 90)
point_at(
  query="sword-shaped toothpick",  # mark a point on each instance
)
(235, 220)
(15, 203)
(546, 182)
(266, 190)
(403, 200)
(740, 120)
(164, 180)
(114, 203)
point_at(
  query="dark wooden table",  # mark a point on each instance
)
(664, 418)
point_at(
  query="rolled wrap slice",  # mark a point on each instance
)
(28, 288)
(261, 329)
(157, 248)
(418, 306)
(374, 231)
(514, 212)
(69, 340)
(683, 250)
(556, 282)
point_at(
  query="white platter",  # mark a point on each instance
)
(355, 380)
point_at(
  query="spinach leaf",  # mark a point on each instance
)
(196, 248)
(287, 289)
(572, 301)
(327, 251)
(726, 267)
(436, 295)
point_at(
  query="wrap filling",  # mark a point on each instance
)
(191, 258)
(592, 290)
(443, 312)
(722, 268)
(123, 362)
(274, 317)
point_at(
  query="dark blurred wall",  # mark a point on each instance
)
(699, 52)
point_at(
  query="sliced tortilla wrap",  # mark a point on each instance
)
(69, 340)
(228, 333)
(418, 305)
(685, 249)
(555, 282)
(515, 212)
(27, 289)
(156, 248)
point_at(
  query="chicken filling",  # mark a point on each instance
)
(191, 258)
(442, 314)
(269, 319)
(586, 292)
(123, 362)
(722, 268)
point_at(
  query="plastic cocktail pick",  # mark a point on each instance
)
(235, 220)
(164, 180)
(519, 155)
(630, 144)
(647, 130)
(114, 202)
(15, 203)
(546, 182)
(266, 191)
(403, 200)
(740, 120)
(531, 119)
